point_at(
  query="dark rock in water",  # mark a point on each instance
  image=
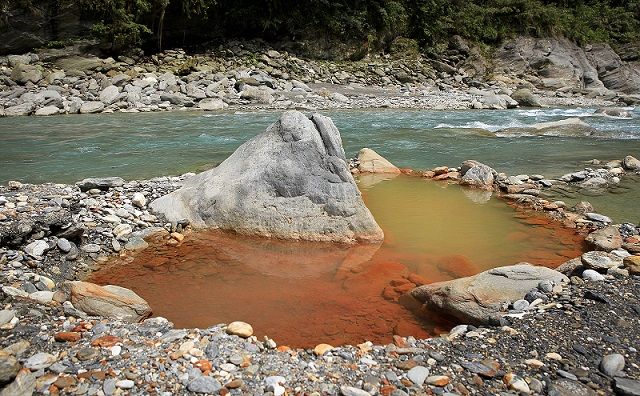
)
(479, 298)
(614, 112)
(290, 182)
(103, 183)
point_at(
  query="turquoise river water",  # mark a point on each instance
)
(69, 148)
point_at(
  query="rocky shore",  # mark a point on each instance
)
(575, 338)
(248, 76)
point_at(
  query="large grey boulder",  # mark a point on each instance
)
(478, 299)
(290, 182)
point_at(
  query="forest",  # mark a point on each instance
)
(160, 24)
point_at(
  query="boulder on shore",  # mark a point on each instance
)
(372, 162)
(479, 299)
(290, 182)
(108, 301)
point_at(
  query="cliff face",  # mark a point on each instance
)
(24, 29)
(558, 63)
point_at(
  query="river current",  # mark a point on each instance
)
(69, 148)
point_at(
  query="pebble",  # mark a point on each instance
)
(438, 380)
(553, 356)
(6, 315)
(241, 329)
(351, 391)
(139, 200)
(125, 384)
(418, 375)
(64, 245)
(612, 364)
(521, 305)
(592, 275)
(39, 361)
(204, 384)
(516, 383)
(91, 248)
(322, 349)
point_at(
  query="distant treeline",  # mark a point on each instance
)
(164, 23)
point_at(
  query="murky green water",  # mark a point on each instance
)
(69, 148)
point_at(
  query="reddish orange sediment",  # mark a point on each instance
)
(303, 293)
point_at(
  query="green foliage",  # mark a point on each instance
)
(370, 24)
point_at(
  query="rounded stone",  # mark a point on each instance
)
(240, 329)
(612, 364)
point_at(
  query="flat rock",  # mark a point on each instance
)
(109, 301)
(372, 162)
(39, 361)
(210, 104)
(627, 386)
(91, 107)
(600, 261)
(478, 299)
(418, 375)
(351, 391)
(101, 183)
(23, 385)
(607, 239)
(290, 182)
(47, 111)
(567, 387)
(36, 248)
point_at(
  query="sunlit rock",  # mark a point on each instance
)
(290, 182)
(479, 299)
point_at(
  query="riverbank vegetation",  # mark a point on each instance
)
(371, 24)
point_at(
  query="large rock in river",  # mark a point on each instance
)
(478, 299)
(571, 127)
(290, 182)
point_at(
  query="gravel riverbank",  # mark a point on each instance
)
(581, 338)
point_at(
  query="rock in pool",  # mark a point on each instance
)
(478, 299)
(109, 301)
(290, 182)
